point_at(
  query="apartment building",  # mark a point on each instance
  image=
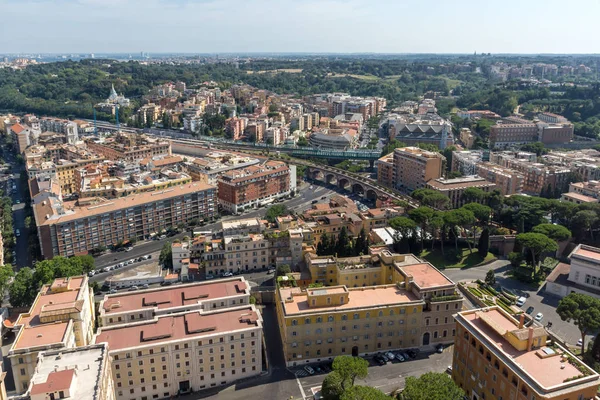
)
(255, 185)
(79, 373)
(248, 252)
(414, 167)
(129, 147)
(61, 317)
(69, 228)
(497, 357)
(209, 168)
(404, 303)
(185, 351)
(507, 180)
(465, 161)
(385, 170)
(505, 134)
(454, 188)
(146, 305)
(536, 176)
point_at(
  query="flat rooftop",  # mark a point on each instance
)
(55, 371)
(426, 276)
(580, 197)
(41, 335)
(365, 297)
(195, 324)
(589, 252)
(459, 183)
(173, 296)
(547, 371)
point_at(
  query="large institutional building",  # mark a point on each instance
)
(370, 304)
(497, 357)
(185, 338)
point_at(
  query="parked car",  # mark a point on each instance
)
(128, 248)
(579, 343)
(309, 369)
(390, 355)
(210, 276)
(106, 269)
(91, 273)
(439, 348)
(449, 369)
(131, 289)
(379, 360)
(384, 357)
(539, 316)
(226, 274)
(520, 301)
(17, 233)
(166, 283)
(140, 259)
(529, 310)
(323, 197)
(405, 355)
(400, 357)
(113, 291)
(145, 286)
(271, 271)
(314, 202)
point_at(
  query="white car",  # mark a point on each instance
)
(309, 369)
(390, 355)
(539, 316)
(520, 301)
(91, 273)
(579, 343)
(17, 233)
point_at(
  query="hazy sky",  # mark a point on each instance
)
(390, 26)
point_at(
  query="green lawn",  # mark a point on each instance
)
(466, 261)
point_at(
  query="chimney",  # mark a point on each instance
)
(530, 339)
(521, 321)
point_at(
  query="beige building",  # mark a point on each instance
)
(184, 351)
(369, 304)
(508, 181)
(497, 357)
(414, 167)
(454, 188)
(385, 170)
(79, 373)
(62, 316)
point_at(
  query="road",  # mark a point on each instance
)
(23, 255)
(536, 297)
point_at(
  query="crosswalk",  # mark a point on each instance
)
(301, 372)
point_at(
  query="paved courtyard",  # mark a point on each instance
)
(536, 298)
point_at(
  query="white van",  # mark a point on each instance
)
(521, 300)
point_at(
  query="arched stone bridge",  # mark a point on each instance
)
(354, 183)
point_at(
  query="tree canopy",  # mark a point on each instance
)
(431, 386)
(275, 211)
(582, 310)
(554, 232)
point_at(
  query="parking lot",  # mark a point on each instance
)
(387, 378)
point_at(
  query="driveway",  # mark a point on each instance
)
(536, 297)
